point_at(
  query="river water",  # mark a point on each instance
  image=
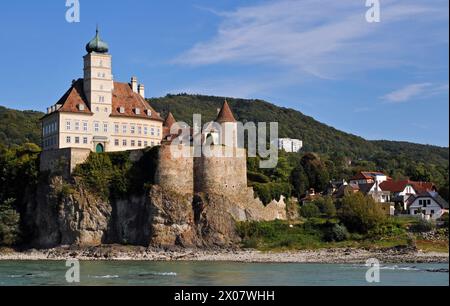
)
(45, 273)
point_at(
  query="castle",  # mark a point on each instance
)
(195, 198)
(100, 115)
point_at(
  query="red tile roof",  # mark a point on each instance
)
(367, 175)
(399, 186)
(74, 97)
(225, 114)
(122, 96)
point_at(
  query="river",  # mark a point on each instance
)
(48, 273)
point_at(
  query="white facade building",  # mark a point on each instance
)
(290, 145)
(429, 205)
(100, 114)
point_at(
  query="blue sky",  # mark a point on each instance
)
(386, 80)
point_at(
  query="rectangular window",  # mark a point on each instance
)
(68, 139)
(68, 125)
(96, 127)
(85, 140)
(77, 140)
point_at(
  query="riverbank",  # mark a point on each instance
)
(121, 253)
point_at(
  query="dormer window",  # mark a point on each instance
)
(137, 111)
(80, 107)
(122, 110)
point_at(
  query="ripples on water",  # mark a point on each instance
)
(222, 274)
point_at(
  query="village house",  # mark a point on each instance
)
(394, 196)
(400, 191)
(369, 177)
(428, 205)
(290, 145)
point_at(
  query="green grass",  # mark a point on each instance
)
(283, 236)
(432, 246)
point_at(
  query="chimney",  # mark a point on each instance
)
(134, 84)
(141, 90)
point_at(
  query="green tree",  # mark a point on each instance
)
(299, 181)
(316, 171)
(326, 206)
(9, 224)
(360, 213)
(310, 210)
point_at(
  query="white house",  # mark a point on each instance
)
(290, 145)
(367, 177)
(429, 205)
(402, 191)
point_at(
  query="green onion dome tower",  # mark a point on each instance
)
(97, 45)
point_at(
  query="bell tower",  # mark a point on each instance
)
(98, 78)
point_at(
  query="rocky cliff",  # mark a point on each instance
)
(63, 213)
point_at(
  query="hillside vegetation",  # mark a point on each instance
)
(19, 127)
(317, 137)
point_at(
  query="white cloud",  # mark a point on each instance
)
(406, 93)
(322, 38)
(414, 91)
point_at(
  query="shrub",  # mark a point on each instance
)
(9, 224)
(360, 213)
(257, 177)
(444, 219)
(310, 210)
(326, 206)
(271, 191)
(423, 226)
(336, 233)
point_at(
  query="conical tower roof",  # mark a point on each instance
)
(170, 120)
(225, 114)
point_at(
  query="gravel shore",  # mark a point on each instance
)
(120, 253)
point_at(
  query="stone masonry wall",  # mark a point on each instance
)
(175, 173)
(221, 174)
(63, 160)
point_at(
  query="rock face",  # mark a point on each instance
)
(62, 214)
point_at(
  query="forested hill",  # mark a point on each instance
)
(18, 127)
(317, 136)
